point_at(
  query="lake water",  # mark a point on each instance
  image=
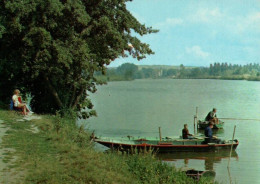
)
(139, 107)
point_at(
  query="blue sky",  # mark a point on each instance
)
(199, 32)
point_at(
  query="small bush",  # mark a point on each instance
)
(61, 152)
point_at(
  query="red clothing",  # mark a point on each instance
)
(20, 99)
(185, 133)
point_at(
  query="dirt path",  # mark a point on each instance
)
(6, 174)
(9, 175)
(2, 151)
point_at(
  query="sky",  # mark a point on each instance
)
(198, 32)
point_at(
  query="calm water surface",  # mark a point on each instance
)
(139, 107)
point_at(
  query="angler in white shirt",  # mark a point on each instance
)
(18, 103)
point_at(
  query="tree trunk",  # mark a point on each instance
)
(53, 92)
(73, 96)
(78, 97)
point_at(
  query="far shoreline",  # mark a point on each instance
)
(231, 79)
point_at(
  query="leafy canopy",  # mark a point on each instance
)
(53, 47)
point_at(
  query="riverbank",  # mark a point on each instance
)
(222, 71)
(106, 79)
(51, 149)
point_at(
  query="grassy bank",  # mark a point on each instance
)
(53, 150)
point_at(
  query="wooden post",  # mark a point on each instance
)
(194, 125)
(160, 134)
(197, 109)
(232, 145)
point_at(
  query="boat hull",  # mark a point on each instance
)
(168, 147)
(204, 124)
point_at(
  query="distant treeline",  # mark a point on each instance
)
(129, 71)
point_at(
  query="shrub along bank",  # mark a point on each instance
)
(54, 150)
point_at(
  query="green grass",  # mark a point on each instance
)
(63, 153)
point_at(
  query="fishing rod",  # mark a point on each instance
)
(240, 119)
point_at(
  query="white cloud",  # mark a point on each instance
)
(206, 15)
(169, 22)
(255, 17)
(197, 51)
(173, 21)
(226, 23)
(250, 22)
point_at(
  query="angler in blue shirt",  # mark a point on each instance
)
(208, 132)
(209, 138)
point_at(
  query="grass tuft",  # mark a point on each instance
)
(61, 152)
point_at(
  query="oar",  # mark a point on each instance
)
(240, 119)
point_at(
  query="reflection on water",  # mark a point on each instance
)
(139, 107)
(209, 159)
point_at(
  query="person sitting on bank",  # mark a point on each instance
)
(18, 102)
(209, 138)
(212, 117)
(185, 133)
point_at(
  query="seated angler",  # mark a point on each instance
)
(18, 104)
(212, 117)
(209, 138)
(185, 133)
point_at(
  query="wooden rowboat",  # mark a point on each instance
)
(203, 124)
(196, 175)
(165, 145)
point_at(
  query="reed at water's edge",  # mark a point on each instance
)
(61, 152)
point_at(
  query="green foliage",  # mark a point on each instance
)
(128, 70)
(68, 156)
(148, 170)
(215, 71)
(52, 48)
